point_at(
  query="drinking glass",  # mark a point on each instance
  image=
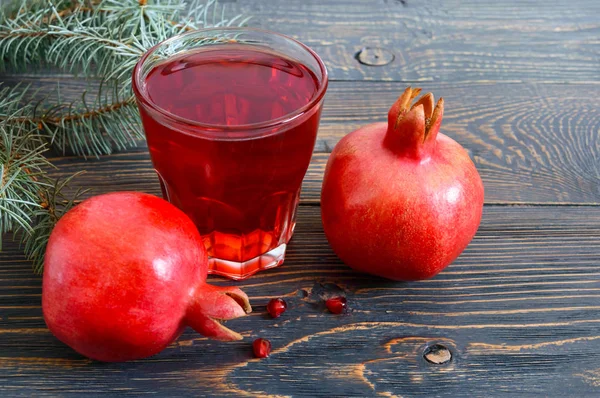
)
(231, 118)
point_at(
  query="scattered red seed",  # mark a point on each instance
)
(261, 348)
(336, 305)
(276, 307)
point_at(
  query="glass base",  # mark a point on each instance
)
(242, 270)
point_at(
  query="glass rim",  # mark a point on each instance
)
(142, 95)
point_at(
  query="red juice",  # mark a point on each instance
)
(238, 175)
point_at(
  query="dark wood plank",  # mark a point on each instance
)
(531, 143)
(443, 41)
(451, 41)
(518, 312)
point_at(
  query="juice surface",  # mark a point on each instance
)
(231, 86)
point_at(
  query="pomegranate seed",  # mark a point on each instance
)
(276, 307)
(336, 305)
(261, 348)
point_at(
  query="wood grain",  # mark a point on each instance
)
(451, 41)
(518, 312)
(531, 143)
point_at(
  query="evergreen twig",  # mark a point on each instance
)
(30, 202)
(101, 41)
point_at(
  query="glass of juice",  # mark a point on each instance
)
(231, 118)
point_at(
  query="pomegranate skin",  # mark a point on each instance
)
(398, 202)
(124, 273)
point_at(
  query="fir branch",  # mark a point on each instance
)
(30, 201)
(101, 40)
(105, 34)
(96, 131)
(20, 178)
(55, 203)
(109, 122)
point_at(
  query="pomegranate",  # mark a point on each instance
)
(261, 348)
(124, 273)
(399, 199)
(276, 307)
(336, 305)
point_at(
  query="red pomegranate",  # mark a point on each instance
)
(124, 273)
(399, 199)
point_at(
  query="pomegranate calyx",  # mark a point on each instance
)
(211, 305)
(402, 105)
(428, 104)
(435, 121)
(413, 127)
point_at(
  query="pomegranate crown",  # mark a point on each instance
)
(413, 127)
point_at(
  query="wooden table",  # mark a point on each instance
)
(518, 312)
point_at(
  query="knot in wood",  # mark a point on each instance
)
(374, 56)
(437, 354)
